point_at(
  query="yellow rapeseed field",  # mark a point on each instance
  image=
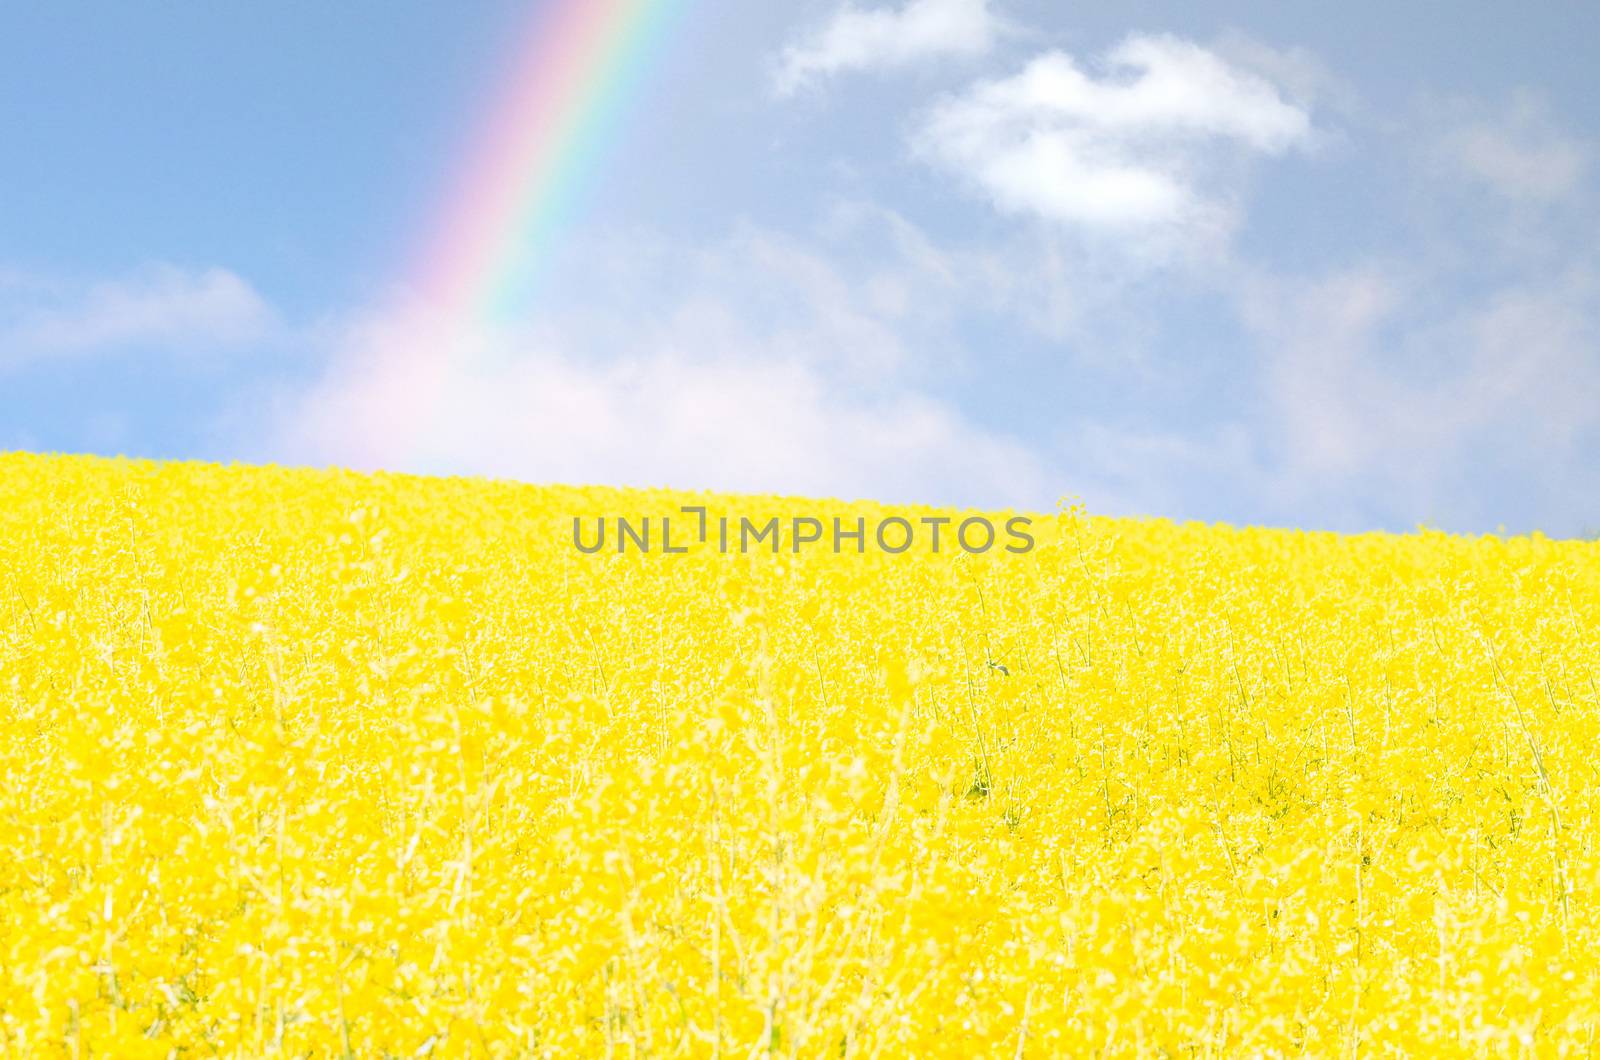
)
(323, 764)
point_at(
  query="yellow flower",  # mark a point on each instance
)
(331, 764)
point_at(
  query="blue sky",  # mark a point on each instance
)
(1328, 266)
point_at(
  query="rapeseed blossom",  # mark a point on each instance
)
(318, 763)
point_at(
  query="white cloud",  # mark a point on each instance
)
(1519, 152)
(1298, 71)
(1324, 371)
(857, 38)
(1383, 392)
(657, 421)
(159, 305)
(1027, 281)
(1135, 151)
(766, 369)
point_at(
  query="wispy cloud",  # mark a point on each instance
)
(767, 370)
(1518, 151)
(1139, 148)
(1383, 391)
(158, 306)
(856, 38)
(1298, 71)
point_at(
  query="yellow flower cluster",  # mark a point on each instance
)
(327, 764)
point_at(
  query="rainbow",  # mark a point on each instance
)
(579, 66)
